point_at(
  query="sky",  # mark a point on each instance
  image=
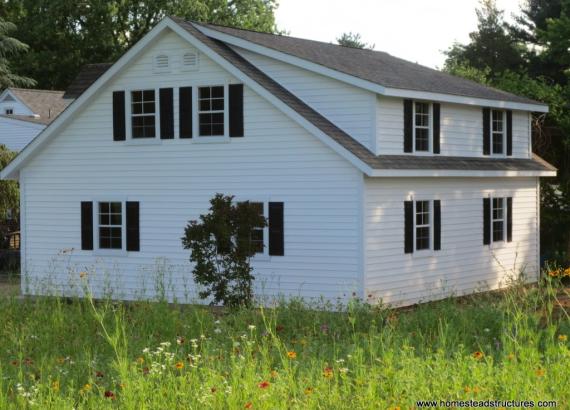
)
(416, 30)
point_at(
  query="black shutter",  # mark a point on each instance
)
(437, 225)
(276, 229)
(119, 116)
(436, 127)
(509, 132)
(133, 235)
(87, 226)
(409, 227)
(185, 97)
(236, 110)
(486, 131)
(166, 97)
(408, 125)
(509, 219)
(486, 221)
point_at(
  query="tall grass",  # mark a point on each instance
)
(80, 353)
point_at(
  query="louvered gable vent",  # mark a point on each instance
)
(190, 61)
(161, 63)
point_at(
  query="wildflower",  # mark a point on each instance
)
(328, 373)
(60, 360)
(279, 328)
(476, 390)
(554, 273)
(121, 386)
(248, 405)
(566, 272)
(109, 394)
(467, 389)
(55, 385)
(478, 355)
(217, 331)
(562, 338)
(510, 356)
(140, 360)
(394, 408)
(309, 391)
(540, 372)
(264, 384)
(179, 340)
(343, 370)
(99, 374)
(303, 342)
(274, 374)
(251, 327)
(82, 275)
(292, 355)
(14, 363)
(179, 365)
(213, 389)
(28, 361)
(85, 389)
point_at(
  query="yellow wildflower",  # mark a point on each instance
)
(309, 391)
(140, 360)
(562, 338)
(274, 374)
(55, 385)
(328, 373)
(179, 365)
(478, 355)
(292, 355)
(540, 372)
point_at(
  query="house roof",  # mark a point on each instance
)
(375, 66)
(87, 75)
(45, 103)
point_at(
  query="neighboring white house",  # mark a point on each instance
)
(380, 178)
(24, 113)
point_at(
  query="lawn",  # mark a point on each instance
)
(67, 354)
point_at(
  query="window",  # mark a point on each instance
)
(422, 126)
(9, 111)
(423, 225)
(498, 219)
(110, 225)
(258, 234)
(143, 117)
(497, 131)
(211, 111)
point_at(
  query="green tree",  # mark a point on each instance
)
(9, 193)
(353, 40)
(221, 248)
(64, 35)
(10, 48)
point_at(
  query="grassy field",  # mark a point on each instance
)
(69, 354)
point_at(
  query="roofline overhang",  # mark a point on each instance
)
(365, 84)
(450, 173)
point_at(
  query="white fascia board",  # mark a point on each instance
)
(339, 149)
(364, 84)
(11, 170)
(420, 173)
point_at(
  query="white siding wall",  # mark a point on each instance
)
(16, 105)
(348, 107)
(174, 180)
(16, 134)
(464, 264)
(461, 129)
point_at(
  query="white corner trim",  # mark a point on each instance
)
(406, 173)
(358, 82)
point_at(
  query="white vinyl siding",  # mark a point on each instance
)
(464, 264)
(348, 107)
(174, 179)
(16, 134)
(461, 129)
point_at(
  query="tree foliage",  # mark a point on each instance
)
(10, 48)
(9, 193)
(64, 35)
(220, 245)
(530, 58)
(353, 40)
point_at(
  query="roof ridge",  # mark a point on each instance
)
(34, 90)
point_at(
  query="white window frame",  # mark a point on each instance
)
(503, 219)
(196, 115)
(6, 109)
(429, 250)
(156, 113)
(504, 133)
(129, 140)
(429, 128)
(103, 251)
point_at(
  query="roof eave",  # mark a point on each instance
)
(450, 173)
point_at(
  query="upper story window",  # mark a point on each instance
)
(258, 234)
(498, 131)
(143, 114)
(422, 126)
(211, 111)
(9, 111)
(110, 227)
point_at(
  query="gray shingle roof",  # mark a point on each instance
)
(345, 140)
(87, 76)
(374, 66)
(45, 103)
